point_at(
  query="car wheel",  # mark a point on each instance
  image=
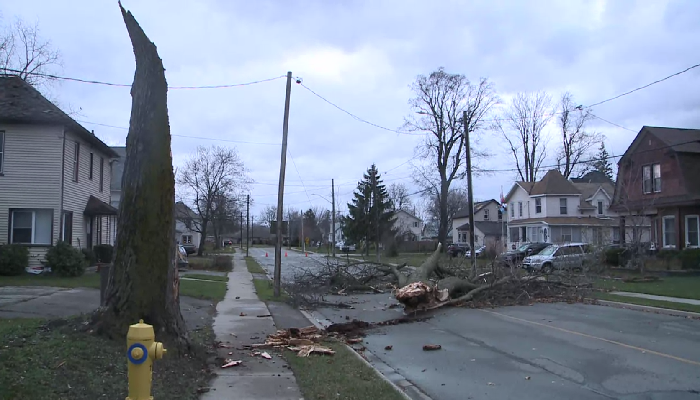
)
(547, 268)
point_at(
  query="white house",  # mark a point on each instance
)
(558, 210)
(54, 175)
(488, 228)
(187, 225)
(407, 225)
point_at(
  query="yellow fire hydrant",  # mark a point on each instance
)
(142, 350)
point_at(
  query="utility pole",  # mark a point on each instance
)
(376, 212)
(333, 215)
(303, 242)
(470, 193)
(247, 224)
(252, 227)
(280, 189)
(241, 230)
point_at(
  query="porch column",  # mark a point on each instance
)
(622, 230)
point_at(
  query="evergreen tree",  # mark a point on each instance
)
(602, 161)
(369, 211)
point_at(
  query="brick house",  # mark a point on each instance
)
(54, 175)
(659, 177)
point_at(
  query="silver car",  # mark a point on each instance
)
(559, 257)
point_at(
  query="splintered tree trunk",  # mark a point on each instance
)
(143, 282)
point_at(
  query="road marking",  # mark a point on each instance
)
(629, 346)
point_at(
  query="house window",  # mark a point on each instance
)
(76, 161)
(668, 230)
(600, 208)
(500, 215)
(512, 210)
(102, 173)
(2, 149)
(520, 209)
(415, 224)
(92, 162)
(486, 214)
(31, 226)
(651, 178)
(563, 209)
(692, 231)
(67, 227)
(523, 234)
(514, 234)
(538, 206)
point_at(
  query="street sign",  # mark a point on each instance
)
(273, 227)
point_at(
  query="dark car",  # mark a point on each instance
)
(190, 249)
(515, 257)
(455, 249)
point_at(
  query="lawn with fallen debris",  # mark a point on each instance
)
(47, 360)
(341, 376)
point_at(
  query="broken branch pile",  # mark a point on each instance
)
(304, 341)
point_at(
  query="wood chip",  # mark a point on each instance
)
(354, 340)
(231, 363)
(431, 347)
(305, 351)
(266, 356)
(300, 342)
(243, 314)
(388, 347)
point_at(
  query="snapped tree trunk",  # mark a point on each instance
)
(143, 282)
(443, 228)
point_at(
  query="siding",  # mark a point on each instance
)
(76, 194)
(32, 176)
(572, 203)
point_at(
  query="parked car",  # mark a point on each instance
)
(181, 257)
(455, 249)
(479, 252)
(345, 247)
(515, 257)
(190, 248)
(560, 257)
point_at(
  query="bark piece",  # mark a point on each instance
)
(388, 347)
(266, 355)
(231, 363)
(432, 347)
(305, 351)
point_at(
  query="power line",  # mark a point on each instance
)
(645, 86)
(612, 123)
(302, 181)
(594, 159)
(65, 78)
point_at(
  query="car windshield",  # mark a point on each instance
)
(548, 251)
(524, 247)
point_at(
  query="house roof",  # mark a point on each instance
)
(679, 139)
(478, 206)
(588, 190)
(594, 176)
(96, 207)
(182, 211)
(488, 228)
(21, 103)
(526, 186)
(118, 168)
(407, 213)
(553, 182)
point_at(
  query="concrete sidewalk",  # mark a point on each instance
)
(660, 298)
(242, 319)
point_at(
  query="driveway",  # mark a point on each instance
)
(54, 302)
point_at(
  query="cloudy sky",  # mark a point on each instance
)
(362, 55)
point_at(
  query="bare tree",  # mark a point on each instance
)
(267, 215)
(522, 125)
(144, 283)
(438, 106)
(398, 193)
(210, 173)
(576, 141)
(457, 200)
(224, 216)
(24, 53)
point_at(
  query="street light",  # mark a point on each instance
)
(332, 217)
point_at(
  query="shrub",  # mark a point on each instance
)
(690, 258)
(613, 256)
(391, 249)
(14, 259)
(89, 256)
(222, 263)
(66, 260)
(103, 253)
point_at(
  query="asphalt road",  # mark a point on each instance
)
(294, 263)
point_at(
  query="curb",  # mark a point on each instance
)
(657, 310)
(402, 385)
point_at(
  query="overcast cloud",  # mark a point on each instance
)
(363, 55)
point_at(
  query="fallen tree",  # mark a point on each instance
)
(437, 282)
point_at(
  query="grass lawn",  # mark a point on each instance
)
(687, 287)
(253, 266)
(265, 292)
(54, 361)
(201, 290)
(646, 302)
(340, 377)
(208, 277)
